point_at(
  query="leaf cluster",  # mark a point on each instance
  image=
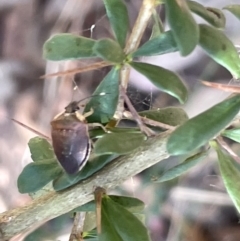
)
(189, 136)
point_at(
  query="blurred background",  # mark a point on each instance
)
(193, 207)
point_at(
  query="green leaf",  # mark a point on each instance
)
(92, 166)
(230, 174)
(184, 28)
(90, 235)
(181, 168)
(118, 143)
(118, 17)
(157, 28)
(89, 224)
(233, 134)
(104, 106)
(220, 48)
(43, 170)
(40, 149)
(108, 231)
(213, 16)
(197, 131)
(87, 207)
(234, 9)
(119, 224)
(109, 50)
(133, 205)
(173, 116)
(68, 46)
(164, 79)
(162, 44)
(38, 174)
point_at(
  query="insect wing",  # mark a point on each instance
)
(71, 144)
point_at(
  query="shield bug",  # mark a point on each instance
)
(70, 138)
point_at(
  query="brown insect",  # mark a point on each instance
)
(70, 138)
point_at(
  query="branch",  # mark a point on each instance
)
(77, 229)
(55, 204)
(140, 25)
(132, 44)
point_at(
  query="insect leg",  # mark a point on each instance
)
(88, 113)
(97, 125)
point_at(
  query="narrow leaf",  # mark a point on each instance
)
(104, 106)
(132, 204)
(98, 133)
(233, 134)
(125, 227)
(230, 175)
(162, 44)
(164, 79)
(199, 130)
(108, 231)
(158, 27)
(220, 48)
(118, 17)
(181, 168)
(185, 30)
(118, 143)
(89, 223)
(90, 235)
(92, 166)
(40, 149)
(68, 46)
(109, 50)
(213, 16)
(234, 9)
(173, 116)
(38, 174)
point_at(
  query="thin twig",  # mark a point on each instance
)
(135, 115)
(83, 69)
(98, 193)
(224, 145)
(147, 121)
(77, 229)
(224, 87)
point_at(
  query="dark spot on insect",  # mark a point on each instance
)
(224, 47)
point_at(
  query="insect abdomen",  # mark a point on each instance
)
(71, 143)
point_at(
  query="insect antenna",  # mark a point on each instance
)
(74, 105)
